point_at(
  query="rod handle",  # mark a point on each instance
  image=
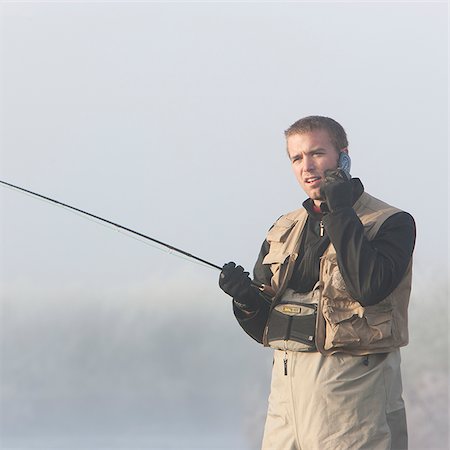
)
(265, 288)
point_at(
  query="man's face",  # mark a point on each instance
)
(311, 154)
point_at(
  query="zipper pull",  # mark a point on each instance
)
(285, 358)
(321, 228)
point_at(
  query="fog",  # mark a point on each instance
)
(107, 372)
(169, 119)
(111, 370)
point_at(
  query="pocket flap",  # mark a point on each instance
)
(377, 318)
(275, 256)
(336, 316)
(280, 230)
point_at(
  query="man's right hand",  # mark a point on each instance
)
(235, 281)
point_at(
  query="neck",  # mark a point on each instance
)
(316, 208)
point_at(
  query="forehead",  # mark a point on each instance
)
(310, 140)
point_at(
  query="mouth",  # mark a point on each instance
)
(312, 181)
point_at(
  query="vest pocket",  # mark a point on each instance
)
(348, 324)
(380, 325)
(339, 327)
(278, 251)
(276, 237)
(280, 229)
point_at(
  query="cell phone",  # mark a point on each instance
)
(344, 163)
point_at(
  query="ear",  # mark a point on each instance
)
(345, 150)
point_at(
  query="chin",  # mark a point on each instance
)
(315, 194)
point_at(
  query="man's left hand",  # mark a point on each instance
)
(337, 190)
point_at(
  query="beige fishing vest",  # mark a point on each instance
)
(343, 325)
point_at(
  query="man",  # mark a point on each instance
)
(330, 295)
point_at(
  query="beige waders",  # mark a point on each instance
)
(337, 402)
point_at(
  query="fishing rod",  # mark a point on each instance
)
(262, 287)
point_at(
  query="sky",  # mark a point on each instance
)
(168, 118)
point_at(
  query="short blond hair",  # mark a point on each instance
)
(337, 133)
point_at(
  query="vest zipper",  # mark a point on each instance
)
(321, 228)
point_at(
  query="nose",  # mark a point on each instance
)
(308, 163)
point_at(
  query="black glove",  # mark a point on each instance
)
(237, 283)
(337, 190)
(234, 281)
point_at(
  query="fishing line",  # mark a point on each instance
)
(129, 232)
(167, 252)
(114, 224)
(112, 228)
